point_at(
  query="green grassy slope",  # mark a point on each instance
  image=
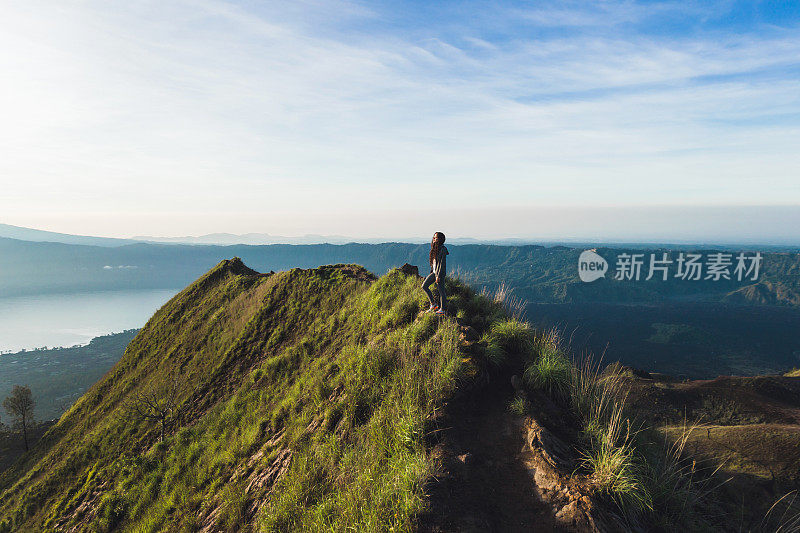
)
(301, 402)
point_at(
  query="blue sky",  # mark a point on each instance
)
(385, 118)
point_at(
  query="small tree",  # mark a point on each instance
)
(156, 403)
(19, 407)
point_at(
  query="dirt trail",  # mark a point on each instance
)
(485, 484)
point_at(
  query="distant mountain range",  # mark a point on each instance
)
(225, 239)
(37, 235)
(248, 238)
(538, 274)
(257, 239)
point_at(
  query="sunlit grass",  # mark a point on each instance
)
(343, 374)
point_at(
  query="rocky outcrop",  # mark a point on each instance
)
(350, 270)
(570, 495)
(410, 270)
(764, 293)
(258, 476)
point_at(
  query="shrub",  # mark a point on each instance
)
(595, 396)
(551, 370)
(495, 355)
(479, 305)
(619, 455)
(510, 335)
(504, 302)
(615, 469)
(612, 458)
(519, 405)
(674, 483)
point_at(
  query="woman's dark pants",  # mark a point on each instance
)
(442, 295)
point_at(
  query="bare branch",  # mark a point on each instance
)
(157, 403)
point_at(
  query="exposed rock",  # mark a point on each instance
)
(570, 495)
(468, 334)
(314, 424)
(410, 270)
(276, 438)
(553, 449)
(353, 271)
(85, 511)
(255, 458)
(210, 520)
(336, 394)
(268, 477)
(259, 484)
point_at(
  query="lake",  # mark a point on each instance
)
(28, 322)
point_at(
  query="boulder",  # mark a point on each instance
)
(410, 270)
(468, 334)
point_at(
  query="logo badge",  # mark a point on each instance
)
(591, 266)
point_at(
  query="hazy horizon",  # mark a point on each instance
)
(645, 224)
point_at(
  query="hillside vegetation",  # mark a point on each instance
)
(327, 400)
(301, 401)
(747, 428)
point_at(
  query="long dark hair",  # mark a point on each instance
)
(435, 246)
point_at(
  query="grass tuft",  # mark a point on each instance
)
(519, 405)
(550, 370)
(507, 337)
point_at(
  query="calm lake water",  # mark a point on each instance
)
(52, 320)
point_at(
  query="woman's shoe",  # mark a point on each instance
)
(432, 308)
(440, 312)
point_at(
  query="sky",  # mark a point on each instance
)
(483, 119)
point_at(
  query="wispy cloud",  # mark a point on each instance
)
(217, 107)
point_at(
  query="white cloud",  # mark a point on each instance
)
(204, 108)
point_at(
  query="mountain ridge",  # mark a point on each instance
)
(232, 337)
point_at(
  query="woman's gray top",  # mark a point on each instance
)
(439, 266)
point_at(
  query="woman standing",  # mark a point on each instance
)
(438, 261)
